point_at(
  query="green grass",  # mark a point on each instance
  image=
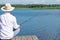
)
(35, 6)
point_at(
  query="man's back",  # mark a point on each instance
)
(7, 25)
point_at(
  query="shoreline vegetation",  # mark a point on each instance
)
(35, 6)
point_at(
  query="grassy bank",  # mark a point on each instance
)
(35, 6)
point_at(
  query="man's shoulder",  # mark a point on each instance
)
(13, 16)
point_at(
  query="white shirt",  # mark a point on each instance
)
(7, 23)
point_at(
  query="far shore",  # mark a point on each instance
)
(36, 9)
(35, 6)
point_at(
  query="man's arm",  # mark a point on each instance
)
(15, 25)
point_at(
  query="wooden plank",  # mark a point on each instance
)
(28, 37)
(34, 37)
(25, 38)
(18, 38)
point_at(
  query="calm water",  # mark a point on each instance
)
(45, 24)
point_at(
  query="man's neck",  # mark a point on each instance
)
(7, 12)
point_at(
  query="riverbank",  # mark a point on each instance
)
(35, 6)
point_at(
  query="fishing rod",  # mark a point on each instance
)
(27, 20)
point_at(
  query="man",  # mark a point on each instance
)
(8, 23)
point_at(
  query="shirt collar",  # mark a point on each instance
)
(7, 13)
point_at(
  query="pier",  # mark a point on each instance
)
(33, 37)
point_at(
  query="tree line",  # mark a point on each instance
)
(41, 6)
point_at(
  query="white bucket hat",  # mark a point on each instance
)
(7, 7)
